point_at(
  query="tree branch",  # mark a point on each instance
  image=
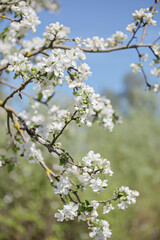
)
(25, 93)
(145, 28)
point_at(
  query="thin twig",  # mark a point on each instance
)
(109, 200)
(145, 77)
(55, 139)
(17, 90)
(25, 93)
(134, 34)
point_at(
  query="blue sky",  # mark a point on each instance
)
(87, 18)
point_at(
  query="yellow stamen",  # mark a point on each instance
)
(48, 172)
(28, 54)
(18, 127)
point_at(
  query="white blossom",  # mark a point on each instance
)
(156, 72)
(62, 185)
(128, 197)
(56, 31)
(98, 185)
(135, 68)
(131, 27)
(69, 212)
(17, 62)
(107, 208)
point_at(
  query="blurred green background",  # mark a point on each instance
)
(28, 203)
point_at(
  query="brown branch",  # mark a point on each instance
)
(5, 17)
(66, 153)
(110, 49)
(17, 90)
(156, 40)
(145, 77)
(146, 25)
(134, 34)
(109, 200)
(88, 50)
(154, 53)
(25, 93)
(55, 139)
(4, 66)
(9, 3)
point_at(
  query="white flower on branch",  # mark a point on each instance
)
(135, 68)
(69, 212)
(131, 27)
(98, 185)
(107, 208)
(62, 185)
(18, 63)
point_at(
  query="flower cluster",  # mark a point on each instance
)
(18, 63)
(156, 88)
(29, 151)
(97, 43)
(56, 31)
(101, 231)
(53, 122)
(107, 208)
(144, 15)
(29, 17)
(131, 27)
(62, 185)
(156, 72)
(116, 39)
(135, 68)
(69, 212)
(94, 164)
(91, 106)
(88, 211)
(156, 48)
(127, 197)
(52, 69)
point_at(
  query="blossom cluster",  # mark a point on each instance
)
(29, 17)
(93, 164)
(52, 69)
(97, 43)
(141, 16)
(62, 185)
(56, 31)
(127, 197)
(88, 211)
(144, 15)
(52, 123)
(91, 106)
(29, 151)
(18, 63)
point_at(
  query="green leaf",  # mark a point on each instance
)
(40, 96)
(10, 167)
(51, 76)
(89, 209)
(62, 159)
(75, 94)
